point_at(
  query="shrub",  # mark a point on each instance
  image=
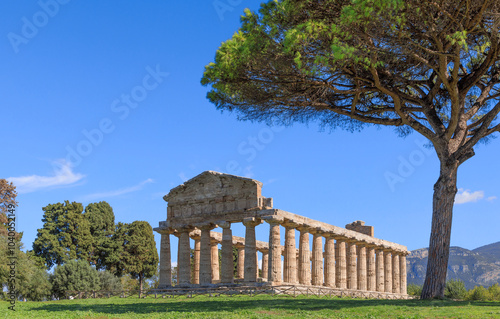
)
(455, 289)
(478, 293)
(74, 275)
(414, 290)
(494, 292)
(109, 282)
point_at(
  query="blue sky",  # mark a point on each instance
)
(101, 101)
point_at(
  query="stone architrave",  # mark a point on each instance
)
(304, 257)
(184, 258)
(240, 267)
(317, 258)
(380, 271)
(265, 263)
(205, 255)
(290, 260)
(196, 261)
(371, 272)
(165, 260)
(402, 270)
(396, 279)
(250, 249)
(227, 267)
(388, 270)
(274, 267)
(329, 261)
(214, 250)
(341, 271)
(352, 276)
(362, 284)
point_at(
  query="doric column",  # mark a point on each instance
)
(183, 257)
(396, 279)
(240, 268)
(165, 260)
(227, 267)
(304, 257)
(402, 271)
(380, 270)
(250, 249)
(214, 249)
(317, 258)
(352, 276)
(205, 255)
(265, 263)
(196, 261)
(274, 267)
(388, 270)
(371, 273)
(341, 270)
(329, 261)
(256, 263)
(290, 267)
(362, 284)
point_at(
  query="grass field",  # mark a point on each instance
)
(261, 306)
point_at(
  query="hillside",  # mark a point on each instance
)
(472, 267)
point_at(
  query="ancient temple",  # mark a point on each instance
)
(351, 259)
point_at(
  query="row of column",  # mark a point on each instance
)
(343, 263)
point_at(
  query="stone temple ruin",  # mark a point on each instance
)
(352, 261)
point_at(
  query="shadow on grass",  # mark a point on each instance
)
(229, 304)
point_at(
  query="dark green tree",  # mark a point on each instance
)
(139, 252)
(74, 275)
(425, 66)
(101, 221)
(109, 282)
(65, 234)
(113, 259)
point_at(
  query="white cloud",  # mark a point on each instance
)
(63, 176)
(491, 198)
(119, 192)
(465, 196)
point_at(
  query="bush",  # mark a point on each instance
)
(109, 282)
(414, 290)
(74, 275)
(494, 292)
(478, 293)
(455, 289)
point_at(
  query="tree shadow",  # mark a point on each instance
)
(229, 304)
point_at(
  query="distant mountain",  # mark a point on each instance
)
(478, 267)
(491, 249)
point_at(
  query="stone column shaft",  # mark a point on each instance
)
(388, 271)
(265, 264)
(196, 261)
(214, 249)
(371, 273)
(183, 259)
(290, 269)
(165, 261)
(274, 268)
(362, 284)
(304, 258)
(396, 279)
(341, 271)
(250, 250)
(205, 257)
(352, 276)
(402, 270)
(241, 262)
(380, 271)
(317, 260)
(227, 268)
(329, 262)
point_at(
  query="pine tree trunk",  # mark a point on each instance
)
(445, 190)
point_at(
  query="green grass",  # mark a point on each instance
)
(261, 306)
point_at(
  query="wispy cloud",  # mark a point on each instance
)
(466, 196)
(491, 198)
(63, 176)
(120, 191)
